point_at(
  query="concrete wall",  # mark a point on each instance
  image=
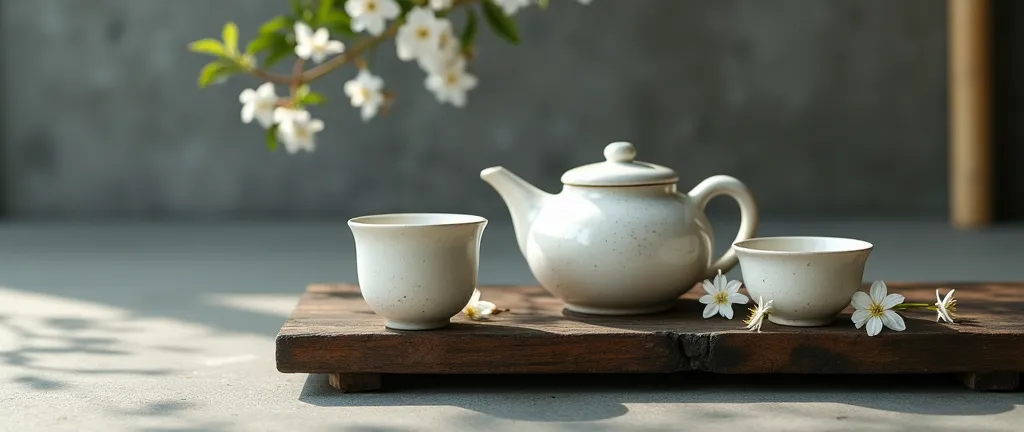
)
(826, 108)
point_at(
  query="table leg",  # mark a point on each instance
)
(355, 382)
(991, 381)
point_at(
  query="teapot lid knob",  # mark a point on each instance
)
(621, 151)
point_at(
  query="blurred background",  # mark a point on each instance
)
(829, 109)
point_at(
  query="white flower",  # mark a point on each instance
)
(478, 309)
(365, 91)
(259, 104)
(721, 295)
(448, 49)
(440, 4)
(370, 15)
(296, 129)
(419, 35)
(946, 307)
(511, 6)
(315, 45)
(875, 310)
(451, 82)
(757, 315)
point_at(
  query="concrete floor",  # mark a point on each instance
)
(170, 327)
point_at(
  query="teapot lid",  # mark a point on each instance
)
(619, 169)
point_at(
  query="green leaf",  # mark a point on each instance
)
(313, 98)
(501, 24)
(406, 6)
(278, 53)
(337, 22)
(272, 138)
(207, 46)
(469, 33)
(265, 42)
(230, 35)
(543, 4)
(302, 11)
(215, 73)
(325, 8)
(277, 24)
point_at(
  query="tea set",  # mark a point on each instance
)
(618, 239)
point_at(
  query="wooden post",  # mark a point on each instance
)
(970, 155)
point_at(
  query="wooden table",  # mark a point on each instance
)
(333, 331)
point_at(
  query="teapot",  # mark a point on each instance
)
(619, 239)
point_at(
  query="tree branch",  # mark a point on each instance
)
(362, 46)
(270, 76)
(356, 51)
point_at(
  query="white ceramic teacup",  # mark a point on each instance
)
(417, 270)
(809, 279)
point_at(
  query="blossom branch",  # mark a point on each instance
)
(355, 52)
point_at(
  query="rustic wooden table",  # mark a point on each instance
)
(332, 330)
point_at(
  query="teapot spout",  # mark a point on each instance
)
(523, 200)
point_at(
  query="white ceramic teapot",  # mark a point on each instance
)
(619, 239)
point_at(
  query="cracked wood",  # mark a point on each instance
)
(332, 330)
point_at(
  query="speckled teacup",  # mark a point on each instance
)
(417, 270)
(809, 279)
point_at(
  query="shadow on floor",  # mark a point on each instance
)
(596, 397)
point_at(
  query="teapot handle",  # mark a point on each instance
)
(726, 185)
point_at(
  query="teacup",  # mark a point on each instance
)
(417, 270)
(809, 279)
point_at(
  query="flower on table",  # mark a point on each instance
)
(479, 310)
(451, 82)
(315, 45)
(365, 91)
(297, 129)
(511, 6)
(945, 307)
(758, 314)
(371, 15)
(419, 35)
(259, 104)
(721, 295)
(875, 310)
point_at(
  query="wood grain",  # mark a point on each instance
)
(970, 155)
(333, 331)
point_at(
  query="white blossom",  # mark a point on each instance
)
(876, 310)
(371, 15)
(316, 46)
(419, 35)
(721, 295)
(946, 307)
(451, 82)
(259, 104)
(512, 6)
(477, 309)
(758, 314)
(365, 91)
(446, 51)
(297, 129)
(441, 4)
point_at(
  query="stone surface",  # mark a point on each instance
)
(826, 108)
(156, 328)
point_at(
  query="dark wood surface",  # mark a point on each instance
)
(332, 330)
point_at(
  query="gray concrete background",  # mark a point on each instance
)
(826, 108)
